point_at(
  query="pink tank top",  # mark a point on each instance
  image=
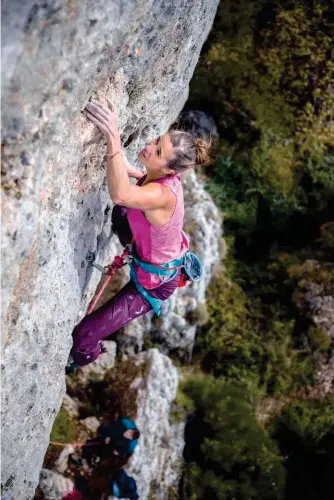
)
(159, 244)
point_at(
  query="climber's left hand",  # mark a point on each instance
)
(104, 118)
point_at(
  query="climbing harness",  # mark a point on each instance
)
(189, 267)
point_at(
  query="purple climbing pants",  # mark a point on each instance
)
(125, 306)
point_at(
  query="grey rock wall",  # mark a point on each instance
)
(320, 308)
(56, 54)
(157, 459)
(54, 485)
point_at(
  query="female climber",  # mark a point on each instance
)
(149, 213)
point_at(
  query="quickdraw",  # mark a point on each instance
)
(109, 270)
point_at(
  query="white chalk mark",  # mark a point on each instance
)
(140, 311)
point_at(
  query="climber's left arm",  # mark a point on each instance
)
(117, 176)
(150, 197)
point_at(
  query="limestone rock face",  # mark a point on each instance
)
(320, 307)
(61, 463)
(55, 207)
(53, 485)
(155, 464)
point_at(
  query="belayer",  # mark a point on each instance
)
(116, 438)
(149, 215)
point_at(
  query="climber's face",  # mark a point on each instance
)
(156, 154)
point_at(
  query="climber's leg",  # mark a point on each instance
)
(124, 307)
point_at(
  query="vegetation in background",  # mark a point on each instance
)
(64, 429)
(248, 342)
(270, 80)
(228, 455)
(305, 434)
(266, 75)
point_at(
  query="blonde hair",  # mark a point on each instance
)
(189, 152)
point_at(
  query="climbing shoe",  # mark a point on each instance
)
(71, 366)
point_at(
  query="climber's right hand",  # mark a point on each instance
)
(105, 119)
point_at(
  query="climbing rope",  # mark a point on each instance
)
(74, 445)
(77, 445)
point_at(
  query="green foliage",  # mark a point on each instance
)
(321, 168)
(245, 341)
(64, 429)
(305, 434)
(319, 338)
(235, 458)
(234, 191)
(272, 175)
(310, 420)
(265, 75)
(273, 163)
(182, 406)
(198, 316)
(310, 272)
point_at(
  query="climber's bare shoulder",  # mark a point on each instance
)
(152, 196)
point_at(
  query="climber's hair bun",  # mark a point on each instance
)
(202, 151)
(189, 151)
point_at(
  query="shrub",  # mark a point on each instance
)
(198, 316)
(247, 341)
(228, 455)
(319, 338)
(305, 434)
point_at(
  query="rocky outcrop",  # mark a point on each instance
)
(198, 123)
(55, 206)
(314, 298)
(53, 485)
(156, 461)
(320, 305)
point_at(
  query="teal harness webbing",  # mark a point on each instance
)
(189, 261)
(169, 269)
(154, 303)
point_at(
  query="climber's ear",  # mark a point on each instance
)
(168, 171)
